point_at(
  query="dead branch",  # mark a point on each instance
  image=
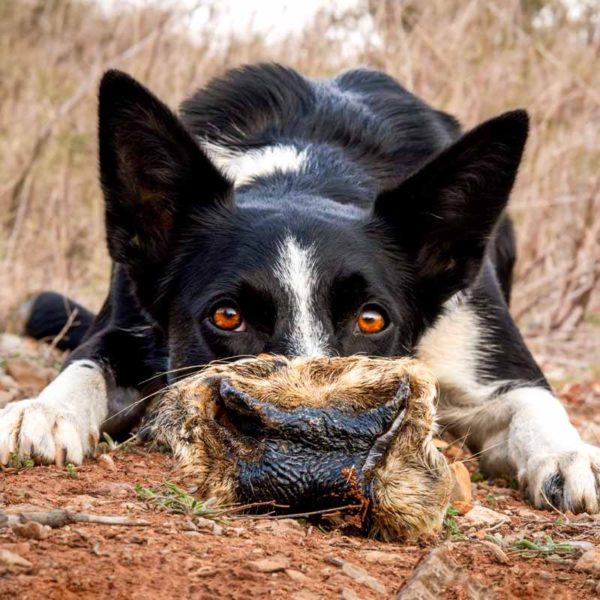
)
(15, 189)
(61, 334)
(60, 517)
(323, 512)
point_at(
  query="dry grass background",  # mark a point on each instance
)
(474, 59)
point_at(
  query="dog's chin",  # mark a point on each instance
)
(351, 434)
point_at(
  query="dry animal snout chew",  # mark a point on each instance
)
(312, 434)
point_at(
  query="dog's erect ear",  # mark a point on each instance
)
(443, 214)
(151, 171)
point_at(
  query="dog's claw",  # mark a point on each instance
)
(564, 481)
(33, 429)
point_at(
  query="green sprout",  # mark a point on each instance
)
(176, 500)
(534, 549)
(20, 464)
(450, 525)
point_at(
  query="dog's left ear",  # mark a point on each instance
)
(443, 215)
(152, 172)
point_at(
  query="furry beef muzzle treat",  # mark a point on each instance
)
(311, 434)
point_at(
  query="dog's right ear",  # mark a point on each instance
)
(151, 171)
(442, 216)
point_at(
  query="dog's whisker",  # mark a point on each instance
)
(134, 404)
(475, 456)
(197, 367)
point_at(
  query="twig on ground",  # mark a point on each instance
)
(60, 517)
(325, 511)
(65, 328)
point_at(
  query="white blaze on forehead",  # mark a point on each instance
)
(243, 167)
(296, 271)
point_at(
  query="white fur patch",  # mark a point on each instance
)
(541, 424)
(63, 423)
(451, 348)
(295, 270)
(543, 444)
(525, 430)
(243, 167)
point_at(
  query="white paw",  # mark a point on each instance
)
(565, 480)
(46, 433)
(62, 425)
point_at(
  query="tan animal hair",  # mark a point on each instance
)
(410, 484)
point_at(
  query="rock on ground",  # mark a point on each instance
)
(461, 489)
(482, 516)
(272, 564)
(10, 559)
(435, 574)
(590, 562)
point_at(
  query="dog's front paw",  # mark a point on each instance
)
(566, 480)
(45, 432)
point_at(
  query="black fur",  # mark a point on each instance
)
(362, 117)
(49, 316)
(401, 210)
(152, 173)
(503, 254)
(131, 350)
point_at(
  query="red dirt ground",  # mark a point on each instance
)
(171, 555)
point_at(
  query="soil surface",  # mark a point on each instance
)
(168, 548)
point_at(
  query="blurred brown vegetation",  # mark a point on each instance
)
(473, 59)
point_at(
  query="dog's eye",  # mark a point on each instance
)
(371, 320)
(229, 318)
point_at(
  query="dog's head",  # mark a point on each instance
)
(229, 272)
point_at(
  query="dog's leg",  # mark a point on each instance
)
(103, 387)
(553, 465)
(495, 397)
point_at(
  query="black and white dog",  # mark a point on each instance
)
(284, 215)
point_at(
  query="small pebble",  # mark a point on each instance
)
(31, 530)
(382, 558)
(358, 574)
(480, 515)
(305, 595)
(10, 559)
(236, 530)
(205, 571)
(297, 576)
(271, 564)
(497, 552)
(203, 523)
(461, 489)
(191, 533)
(581, 545)
(589, 562)
(106, 462)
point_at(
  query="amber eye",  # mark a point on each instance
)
(371, 320)
(228, 318)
